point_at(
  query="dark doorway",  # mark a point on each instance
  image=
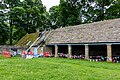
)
(116, 53)
(115, 50)
(63, 51)
(78, 50)
(98, 52)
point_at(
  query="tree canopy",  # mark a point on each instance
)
(18, 18)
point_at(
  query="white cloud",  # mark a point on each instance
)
(50, 3)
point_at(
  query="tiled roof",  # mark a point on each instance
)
(103, 31)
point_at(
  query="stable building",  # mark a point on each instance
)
(93, 39)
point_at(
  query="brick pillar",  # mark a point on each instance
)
(56, 50)
(109, 52)
(86, 52)
(69, 51)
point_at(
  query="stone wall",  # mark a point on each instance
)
(7, 48)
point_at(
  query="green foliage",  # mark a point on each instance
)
(35, 15)
(24, 17)
(67, 13)
(97, 10)
(74, 12)
(4, 28)
(54, 17)
(8, 6)
(57, 69)
(19, 18)
(114, 10)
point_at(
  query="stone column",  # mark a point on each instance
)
(109, 52)
(86, 52)
(56, 50)
(69, 51)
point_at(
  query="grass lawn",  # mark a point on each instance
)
(17, 68)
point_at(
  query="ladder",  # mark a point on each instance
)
(44, 38)
(36, 40)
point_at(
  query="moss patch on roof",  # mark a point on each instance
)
(27, 38)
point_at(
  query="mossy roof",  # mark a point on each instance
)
(27, 38)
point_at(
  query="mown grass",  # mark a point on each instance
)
(17, 68)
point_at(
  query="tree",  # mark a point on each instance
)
(54, 17)
(114, 10)
(97, 10)
(70, 11)
(9, 5)
(24, 17)
(101, 8)
(4, 28)
(18, 29)
(67, 13)
(35, 14)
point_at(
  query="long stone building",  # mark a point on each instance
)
(98, 38)
(93, 39)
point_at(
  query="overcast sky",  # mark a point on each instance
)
(50, 3)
